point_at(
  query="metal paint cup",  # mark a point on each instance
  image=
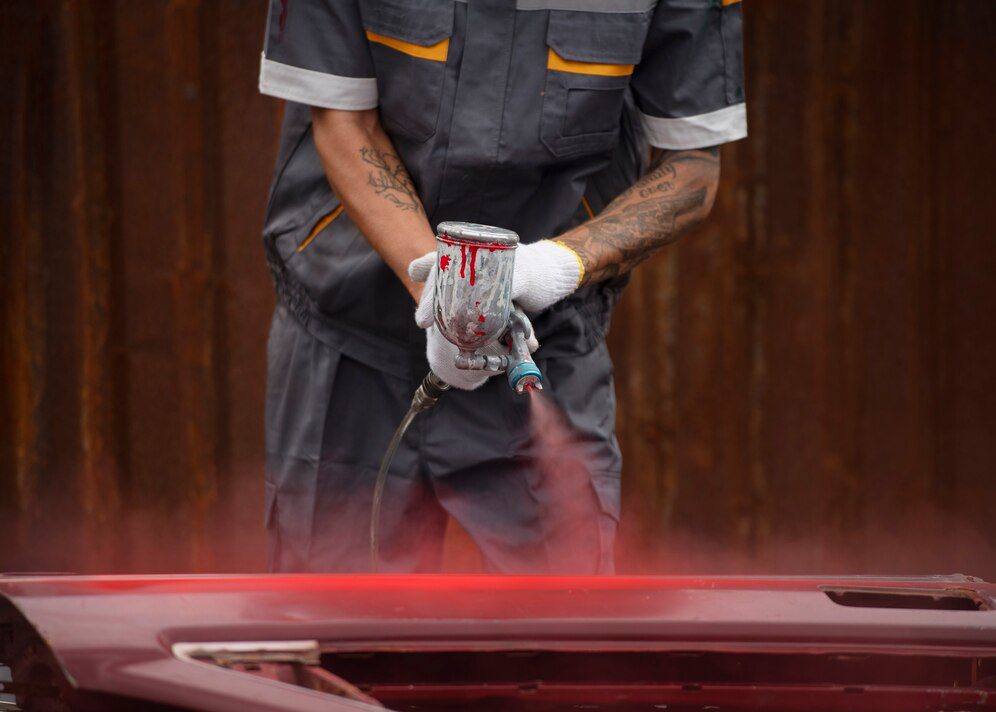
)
(474, 271)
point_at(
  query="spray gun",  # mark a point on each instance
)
(473, 311)
(473, 297)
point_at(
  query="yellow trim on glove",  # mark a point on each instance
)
(576, 256)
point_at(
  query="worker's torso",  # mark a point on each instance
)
(498, 107)
(506, 112)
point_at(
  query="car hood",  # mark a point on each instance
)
(133, 635)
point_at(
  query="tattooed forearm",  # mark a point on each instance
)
(675, 195)
(619, 241)
(390, 179)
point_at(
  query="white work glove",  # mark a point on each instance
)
(545, 272)
(441, 354)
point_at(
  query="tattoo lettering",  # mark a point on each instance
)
(659, 172)
(672, 197)
(390, 179)
(635, 232)
(662, 187)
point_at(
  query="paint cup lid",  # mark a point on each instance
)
(474, 232)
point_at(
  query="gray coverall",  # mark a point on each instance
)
(527, 114)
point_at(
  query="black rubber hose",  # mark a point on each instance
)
(426, 395)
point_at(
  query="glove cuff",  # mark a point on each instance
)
(556, 269)
(577, 259)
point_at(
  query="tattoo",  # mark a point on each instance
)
(672, 197)
(390, 179)
(665, 186)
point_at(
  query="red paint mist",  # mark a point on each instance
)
(444, 262)
(569, 504)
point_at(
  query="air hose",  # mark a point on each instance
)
(425, 397)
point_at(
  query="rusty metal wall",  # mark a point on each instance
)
(806, 384)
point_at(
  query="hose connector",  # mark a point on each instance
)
(428, 392)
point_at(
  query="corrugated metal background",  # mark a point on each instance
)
(806, 384)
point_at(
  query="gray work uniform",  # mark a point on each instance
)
(526, 114)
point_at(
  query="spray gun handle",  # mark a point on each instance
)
(518, 366)
(470, 361)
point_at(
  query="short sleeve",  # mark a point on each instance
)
(689, 85)
(316, 53)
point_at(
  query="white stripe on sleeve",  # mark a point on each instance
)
(306, 86)
(722, 126)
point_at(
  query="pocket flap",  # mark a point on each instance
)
(598, 37)
(421, 22)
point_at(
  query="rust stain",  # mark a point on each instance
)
(194, 279)
(99, 469)
(24, 307)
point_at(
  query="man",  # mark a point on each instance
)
(531, 115)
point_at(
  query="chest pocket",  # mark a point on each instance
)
(409, 41)
(590, 59)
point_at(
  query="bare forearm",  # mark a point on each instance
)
(374, 187)
(673, 197)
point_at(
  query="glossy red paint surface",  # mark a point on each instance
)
(115, 633)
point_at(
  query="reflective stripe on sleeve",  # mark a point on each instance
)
(722, 126)
(306, 86)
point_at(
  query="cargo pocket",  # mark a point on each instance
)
(329, 254)
(590, 59)
(409, 42)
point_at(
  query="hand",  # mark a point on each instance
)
(441, 355)
(545, 272)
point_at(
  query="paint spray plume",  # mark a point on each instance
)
(565, 493)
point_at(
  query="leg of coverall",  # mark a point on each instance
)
(530, 508)
(329, 419)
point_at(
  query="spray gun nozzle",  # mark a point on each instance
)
(523, 375)
(522, 370)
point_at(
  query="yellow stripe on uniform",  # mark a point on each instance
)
(730, 2)
(556, 62)
(436, 52)
(587, 208)
(319, 226)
